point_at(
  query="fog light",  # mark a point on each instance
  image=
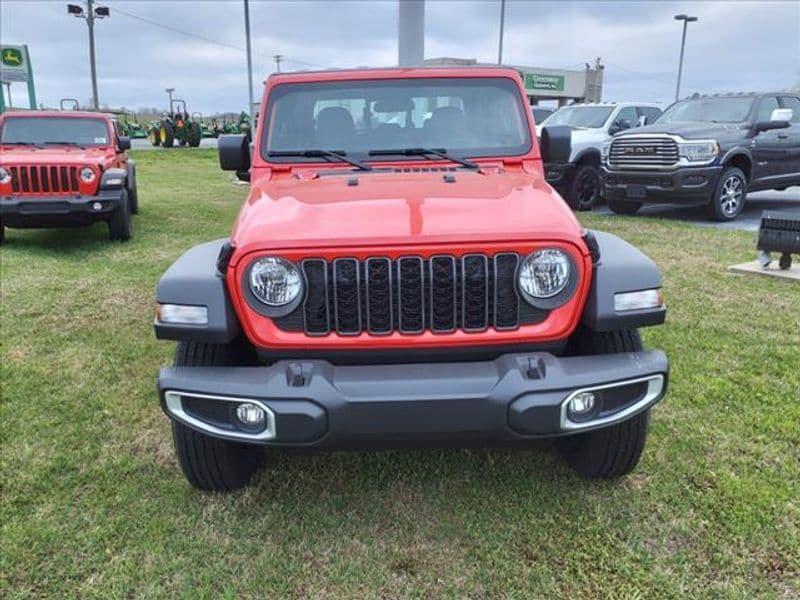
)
(250, 414)
(581, 406)
(97, 206)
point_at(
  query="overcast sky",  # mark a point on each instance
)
(735, 46)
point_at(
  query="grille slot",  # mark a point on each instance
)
(347, 295)
(475, 292)
(35, 179)
(411, 300)
(316, 314)
(506, 301)
(380, 300)
(643, 152)
(442, 296)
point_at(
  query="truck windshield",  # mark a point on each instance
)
(466, 116)
(709, 110)
(41, 131)
(580, 116)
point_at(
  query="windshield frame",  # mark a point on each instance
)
(110, 132)
(363, 156)
(748, 117)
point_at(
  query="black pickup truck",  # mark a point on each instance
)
(708, 150)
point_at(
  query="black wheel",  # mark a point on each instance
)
(154, 136)
(194, 134)
(584, 190)
(119, 226)
(2, 232)
(133, 192)
(729, 197)
(624, 207)
(785, 263)
(167, 134)
(182, 142)
(612, 451)
(209, 463)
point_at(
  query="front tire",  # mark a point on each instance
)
(167, 135)
(210, 463)
(624, 207)
(154, 137)
(612, 451)
(584, 190)
(119, 226)
(729, 196)
(133, 192)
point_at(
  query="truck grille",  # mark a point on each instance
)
(643, 152)
(38, 179)
(411, 295)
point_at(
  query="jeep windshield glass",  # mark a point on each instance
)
(708, 110)
(40, 131)
(470, 117)
(579, 116)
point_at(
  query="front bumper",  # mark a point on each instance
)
(57, 211)
(686, 184)
(316, 403)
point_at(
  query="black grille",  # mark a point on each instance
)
(44, 180)
(442, 294)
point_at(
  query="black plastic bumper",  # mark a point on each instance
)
(316, 403)
(688, 184)
(58, 211)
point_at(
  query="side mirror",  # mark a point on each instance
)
(124, 142)
(234, 153)
(619, 125)
(555, 144)
(779, 119)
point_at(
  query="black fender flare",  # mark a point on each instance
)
(739, 151)
(194, 280)
(113, 179)
(588, 152)
(621, 268)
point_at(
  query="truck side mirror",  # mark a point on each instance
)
(123, 142)
(556, 143)
(779, 119)
(619, 125)
(234, 153)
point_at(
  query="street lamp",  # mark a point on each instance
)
(502, 27)
(686, 20)
(89, 15)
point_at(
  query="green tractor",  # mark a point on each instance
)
(131, 126)
(206, 130)
(178, 126)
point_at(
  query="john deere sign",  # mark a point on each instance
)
(540, 81)
(15, 66)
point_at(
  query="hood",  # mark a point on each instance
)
(389, 209)
(690, 130)
(52, 155)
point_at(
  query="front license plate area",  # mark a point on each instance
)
(637, 191)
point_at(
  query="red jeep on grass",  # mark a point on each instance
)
(60, 169)
(402, 273)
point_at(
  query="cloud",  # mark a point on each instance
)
(197, 46)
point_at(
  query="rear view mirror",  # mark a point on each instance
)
(555, 145)
(394, 105)
(234, 153)
(124, 142)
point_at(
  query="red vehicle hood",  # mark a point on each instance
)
(52, 155)
(304, 210)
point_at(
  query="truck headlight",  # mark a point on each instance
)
(698, 151)
(544, 273)
(5, 175)
(275, 281)
(87, 175)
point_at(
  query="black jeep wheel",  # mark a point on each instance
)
(612, 451)
(584, 190)
(167, 134)
(210, 463)
(133, 192)
(2, 232)
(119, 226)
(624, 207)
(729, 197)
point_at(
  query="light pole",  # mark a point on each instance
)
(249, 57)
(686, 20)
(278, 58)
(89, 15)
(502, 27)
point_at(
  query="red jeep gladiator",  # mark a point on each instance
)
(61, 169)
(401, 273)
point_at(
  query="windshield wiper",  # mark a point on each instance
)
(36, 144)
(60, 143)
(440, 152)
(339, 155)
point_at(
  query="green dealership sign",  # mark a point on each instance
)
(15, 67)
(540, 81)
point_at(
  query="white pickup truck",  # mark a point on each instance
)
(578, 181)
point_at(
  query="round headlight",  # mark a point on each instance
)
(275, 281)
(544, 273)
(5, 176)
(87, 175)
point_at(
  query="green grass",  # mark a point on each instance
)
(93, 503)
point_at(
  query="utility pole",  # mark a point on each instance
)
(502, 27)
(89, 15)
(249, 58)
(278, 58)
(686, 20)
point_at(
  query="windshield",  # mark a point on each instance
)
(712, 110)
(50, 130)
(461, 116)
(580, 116)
